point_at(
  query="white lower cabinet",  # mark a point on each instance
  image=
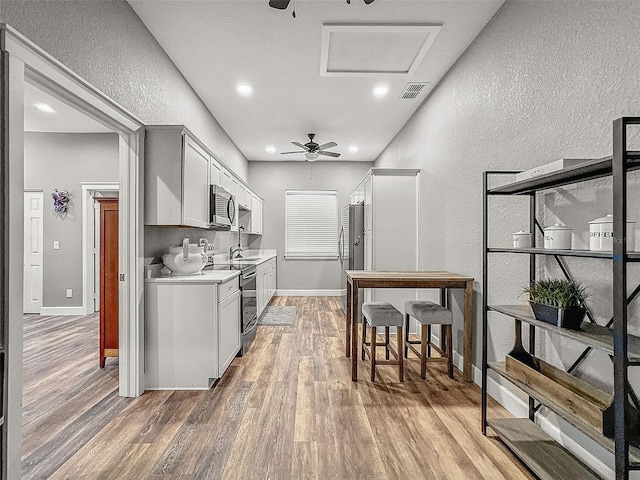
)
(265, 283)
(192, 333)
(261, 291)
(228, 330)
(271, 281)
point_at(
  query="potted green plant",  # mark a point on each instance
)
(559, 302)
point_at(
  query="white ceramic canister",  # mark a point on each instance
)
(601, 234)
(522, 239)
(557, 237)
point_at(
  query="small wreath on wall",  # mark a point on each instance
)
(61, 200)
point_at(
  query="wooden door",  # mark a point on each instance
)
(109, 306)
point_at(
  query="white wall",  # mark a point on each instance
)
(64, 161)
(270, 180)
(108, 45)
(543, 80)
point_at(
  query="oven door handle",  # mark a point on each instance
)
(255, 324)
(250, 276)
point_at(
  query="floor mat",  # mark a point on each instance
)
(278, 315)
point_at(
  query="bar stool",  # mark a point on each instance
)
(382, 314)
(429, 313)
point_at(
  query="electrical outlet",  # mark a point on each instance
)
(69, 292)
(56, 245)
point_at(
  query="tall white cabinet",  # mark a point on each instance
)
(391, 235)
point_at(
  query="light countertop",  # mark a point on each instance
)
(217, 273)
(206, 276)
(249, 257)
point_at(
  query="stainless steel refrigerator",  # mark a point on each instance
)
(351, 243)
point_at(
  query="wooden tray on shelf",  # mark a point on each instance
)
(581, 399)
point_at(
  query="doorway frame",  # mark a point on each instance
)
(88, 238)
(22, 61)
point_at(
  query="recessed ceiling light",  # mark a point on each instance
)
(353, 148)
(44, 107)
(244, 89)
(381, 91)
(270, 149)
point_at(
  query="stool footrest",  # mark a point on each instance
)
(386, 362)
(413, 349)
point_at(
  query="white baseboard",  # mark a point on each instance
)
(63, 311)
(590, 452)
(308, 293)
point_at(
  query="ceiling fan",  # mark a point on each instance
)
(283, 4)
(312, 150)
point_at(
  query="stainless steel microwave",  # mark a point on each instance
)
(222, 208)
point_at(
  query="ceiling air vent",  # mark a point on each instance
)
(412, 90)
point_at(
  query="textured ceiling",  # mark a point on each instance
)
(218, 44)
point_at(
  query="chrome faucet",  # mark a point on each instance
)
(235, 250)
(185, 249)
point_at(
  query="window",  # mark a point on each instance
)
(311, 224)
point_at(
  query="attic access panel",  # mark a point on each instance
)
(362, 50)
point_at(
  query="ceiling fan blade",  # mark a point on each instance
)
(298, 144)
(279, 4)
(329, 154)
(300, 151)
(327, 145)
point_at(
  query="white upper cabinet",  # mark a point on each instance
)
(179, 171)
(244, 197)
(256, 214)
(225, 179)
(195, 185)
(176, 178)
(235, 187)
(214, 172)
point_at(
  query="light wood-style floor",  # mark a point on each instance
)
(286, 410)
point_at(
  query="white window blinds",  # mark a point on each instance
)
(311, 223)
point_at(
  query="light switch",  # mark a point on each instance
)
(69, 292)
(56, 245)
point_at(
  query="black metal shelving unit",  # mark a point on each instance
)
(522, 436)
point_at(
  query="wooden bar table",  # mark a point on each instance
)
(357, 279)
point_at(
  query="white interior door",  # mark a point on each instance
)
(33, 244)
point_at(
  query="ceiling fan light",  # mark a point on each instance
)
(311, 156)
